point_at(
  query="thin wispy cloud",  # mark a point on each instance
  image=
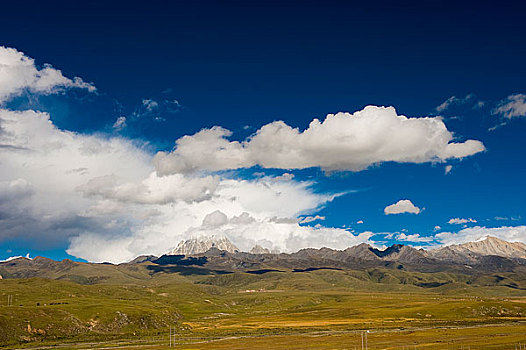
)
(513, 106)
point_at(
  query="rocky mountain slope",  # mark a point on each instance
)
(472, 251)
(217, 255)
(467, 253)
(195, 246)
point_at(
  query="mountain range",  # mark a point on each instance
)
(217, 255)
(467, 253)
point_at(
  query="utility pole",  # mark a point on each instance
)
(172, 336)
(362, 340)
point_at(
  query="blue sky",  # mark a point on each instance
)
(154, 73)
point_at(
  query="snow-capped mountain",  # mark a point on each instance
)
(200, 245)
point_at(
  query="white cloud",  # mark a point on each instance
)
(243, 230)
(460, 221)
(215, 219)
(505, 218)
(342, 141)
(457, 101)
(154, 110)
(413, 238)
(41, 170)
(103, 195)
(152, 190)
(150, 104)
(14, 190)
(308, 219)
(470, 234)
(284, 177)
(18, 73)
(437, 228)
(512, 106)
(402, 206)
(120, 123)
(448, 169)
(359, 222)
(447, 103)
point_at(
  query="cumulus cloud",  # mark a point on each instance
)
(40, 172)
(253, 212)
(402, 206)
(448, 169)
(14, 190)
(243, 230)
(216, 219)
(470, 234)
(152, 190)
(460, 221)
(343, 141)
(103, 195)
(19, 73)
(110, 199)
(512, 106)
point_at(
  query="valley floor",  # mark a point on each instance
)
(500, 336)
(321, 309)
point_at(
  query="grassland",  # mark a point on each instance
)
(324, 309)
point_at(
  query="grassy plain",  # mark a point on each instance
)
(324, 309)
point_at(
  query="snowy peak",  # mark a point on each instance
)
(470, 251)
(201, 245)
(495, 246)
(257, 249)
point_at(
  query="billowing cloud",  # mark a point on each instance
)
(343, 141)
(470, 234)
(109, 199)
(243, 230)
(512, 106)
(18, 73)
(402, 206)
(41, 168)
(103, 195)
(238, 209)
(152, 190)
(460, 221)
